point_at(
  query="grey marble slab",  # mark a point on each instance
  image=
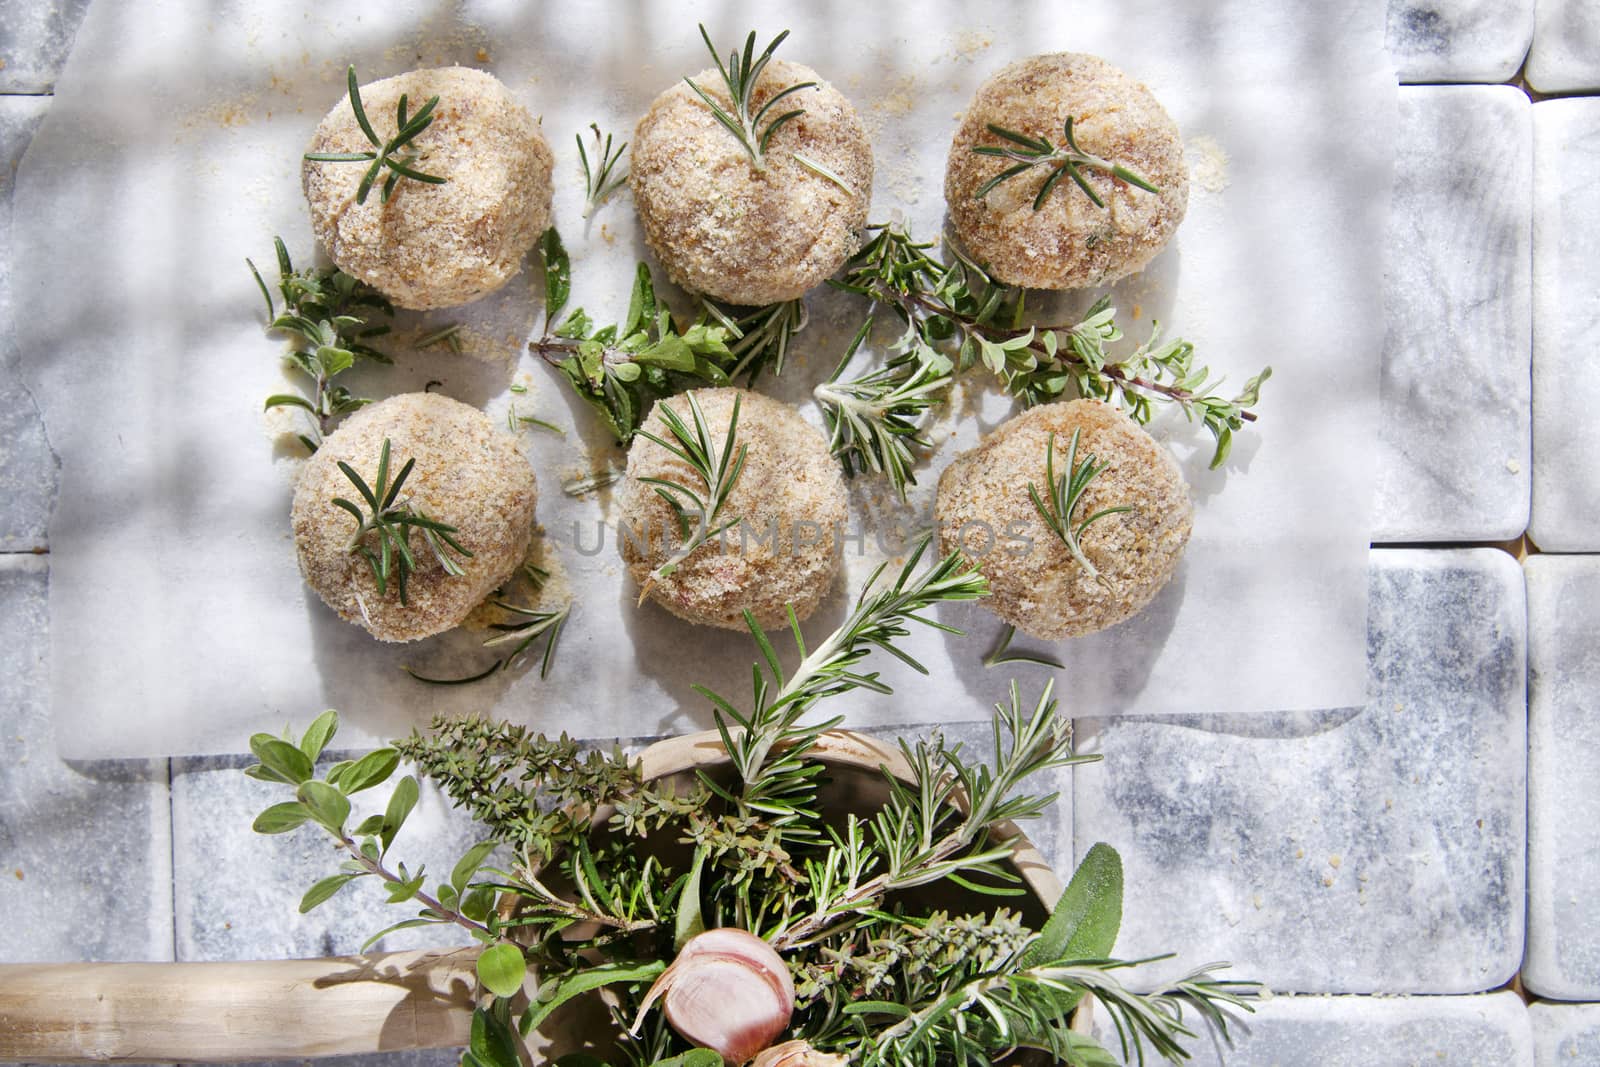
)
(1566, 330)
(1565, 1035)
(27, 467)
(1563, 776)
(35, 37)
(1566, 46)
(85, 848)
(1454, 439)
(1459, 40)
(238, 891)
(1362, 1031)
(1366, 850)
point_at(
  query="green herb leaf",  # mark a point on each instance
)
(327, 805)
(557, 274)
(318, 734)
(401, 801)
(281, 759)
(281, 818)
(1084, 922)
(469, 863)
(690, 920)
(493, 1043)
(372, 769)
(324, 889)
(501, 969)
(556, 993)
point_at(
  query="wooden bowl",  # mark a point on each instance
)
(379, 1002)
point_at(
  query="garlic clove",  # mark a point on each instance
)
(728, 991)
(797, 1054)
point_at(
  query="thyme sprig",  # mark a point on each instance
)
(392, 518)
(1068, 160)
(959, 314)
(1063, 495)
(740, 74)
(396, 153)
(601, 177)
(326, 316)
(699, 512)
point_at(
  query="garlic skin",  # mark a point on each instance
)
(797, 1054)
(727, 991)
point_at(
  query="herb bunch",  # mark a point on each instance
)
(955, 316)
(326, 316)
(574, 849)
(622, 369)
(396, 154)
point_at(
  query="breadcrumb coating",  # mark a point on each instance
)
(434, 246)
(790, 505)
(468, 474)
(747, 236)
(983, 508)
(1069, 243)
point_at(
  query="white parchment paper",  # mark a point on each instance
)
(179, 623)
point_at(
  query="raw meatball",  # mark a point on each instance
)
(984, 509)
(789, 503)
(434, 246)
(468, 474)
(1069, 243)
(747, 236)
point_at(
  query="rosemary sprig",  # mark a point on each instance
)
(600, 178)
(959, 313)
(1068, 160)
(740, 74)
(325, 316)
(392, 518)
(717, 468)
(758, 337)
(395, 153)
(1065, 493)
(874, 420)
(449, 336)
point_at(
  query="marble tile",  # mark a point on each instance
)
(1459, 40)
(1366, 850)
(1351, 1031)
(35, 37)
(1563, 776)
(1453, 453)
(1566, 46)
(27, 467)
(1566, 260)
(238, 892)
(85, 848)
(1565, 1035)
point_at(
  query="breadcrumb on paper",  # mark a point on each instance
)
(434, 246)
(751, 237)
(1069, 243)
(983, 508)
(790, 482)
(468, 474)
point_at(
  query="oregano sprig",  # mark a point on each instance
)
(395, 154)
(1062, 496)
(1068, 160)
(740, 74)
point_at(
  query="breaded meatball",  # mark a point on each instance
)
(434, 246)
(789, 504)
(468, 474)
(1069, 243)
(724, 228)
(984, 509)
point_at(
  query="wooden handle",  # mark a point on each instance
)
(225, 1012)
